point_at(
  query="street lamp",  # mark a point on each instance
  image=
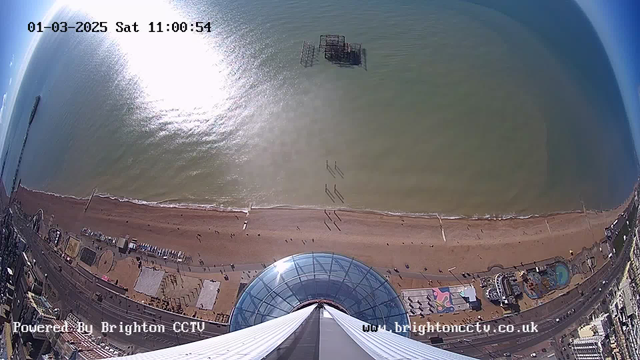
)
(454, 275)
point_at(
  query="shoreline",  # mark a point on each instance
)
(210, 207)
(216, 236)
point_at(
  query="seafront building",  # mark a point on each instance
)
(75, 344)
(30, 307)
(590, 348)
(624, 307)
(309, 305)
(594, 340)
(626, 304)
(614, 333)
(597, 327)
(634, 298)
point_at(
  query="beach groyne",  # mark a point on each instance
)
(24, 143)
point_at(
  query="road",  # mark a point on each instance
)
(75, 293)
(569, 308)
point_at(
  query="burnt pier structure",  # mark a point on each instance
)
(336, 50)
(307, 54)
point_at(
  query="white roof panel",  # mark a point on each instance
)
(254, 342)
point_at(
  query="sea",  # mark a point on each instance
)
(462, 108)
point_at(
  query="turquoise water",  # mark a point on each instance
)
(562, 275)
(463, 109)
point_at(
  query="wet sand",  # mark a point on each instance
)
(217, 237)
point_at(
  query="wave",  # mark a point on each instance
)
(175, 203)
(54, 194)
(170, 203)
(419, 215)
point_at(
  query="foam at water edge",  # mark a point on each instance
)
(170, 204)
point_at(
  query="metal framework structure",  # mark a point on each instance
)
(332, 41)
(307, 54)
(336, 50)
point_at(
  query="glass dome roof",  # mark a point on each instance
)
(300, 279)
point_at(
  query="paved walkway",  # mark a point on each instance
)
(577, 264)
(443, 275)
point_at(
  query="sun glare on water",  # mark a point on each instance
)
(177, 70)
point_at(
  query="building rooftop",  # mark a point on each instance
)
(303, 279)
(588, 340)
(42, 305)
(319, 332)
(86, 348)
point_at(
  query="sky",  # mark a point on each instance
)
(618, 26)
(15, 40)
(616, 22)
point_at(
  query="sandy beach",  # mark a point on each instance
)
(217, 237)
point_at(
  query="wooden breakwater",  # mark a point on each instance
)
(93, 193)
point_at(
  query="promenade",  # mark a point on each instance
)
(74, 292)
(70, 279)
